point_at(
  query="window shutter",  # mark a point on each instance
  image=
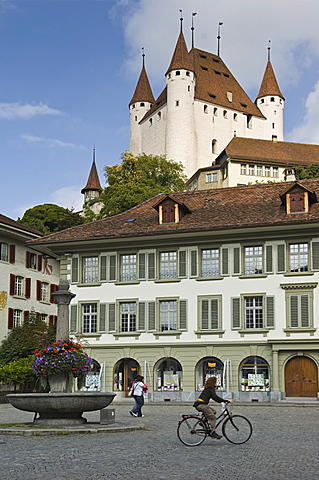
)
(270, 312)
(26, 314)
(183, 315)
(204, 313)
(52, 289)
(38, 289)
(12, 253)
(142, 266)
(182, 263)
(194, 263)
(141, 321)
(304, 310)
(315, 255)
(269, 256)
(235, 313)
(281, 258)
(236, 265)
(50, 319)
(293, 305)
(28, 288)
(39, 263)
(75, 270)
(112, 268)
(73, 318)
(112, 319)
(225, 261)
(12, 284)
(28, 259)
(10, 318)
(214, 314)
(151, 266)
(151, 316)
(102, 320)
(103, 268)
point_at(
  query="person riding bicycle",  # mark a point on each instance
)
(201, 404)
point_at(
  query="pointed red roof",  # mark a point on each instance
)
(269, 84)
(143, 91)
(180, 58)
(93, 182)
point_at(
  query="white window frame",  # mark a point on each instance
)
(298, 253)
(4, 252)
(89, 317)
(211, 258)
(90, 269)
(44, 292)
(168, 266)
(128, 266)
(128, 317)
(17, 318)
(253, 260)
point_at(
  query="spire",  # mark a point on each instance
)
(218, 39)
(93, 182)
(180, 58)
(269, 84)
(193, 28)
(143, 91)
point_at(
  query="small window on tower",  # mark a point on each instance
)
(177, 103)
(142, 104)
(187, 74)
(262, 100)
(177, 72)
(272, 99)
(225, 113)
(205, 109)
(215, 111)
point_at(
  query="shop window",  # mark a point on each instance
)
(254, 375)
(168, 375)
(209, 367)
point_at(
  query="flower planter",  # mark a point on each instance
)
(60, 384)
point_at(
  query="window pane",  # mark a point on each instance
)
(90, 269)
(18, 286)
(128, 317)
(128, 268)
(89, 317)
(4, 252)
(298, 257)
(168, 265)
(253, 260)
(254, 312)
(168, 315)
(210, 263)
(44, 291)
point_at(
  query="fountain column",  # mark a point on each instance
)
(63, 297)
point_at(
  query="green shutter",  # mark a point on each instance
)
(112, 319)
(235, 313)
(102, 320)
(112, 268)
(141, 321)
(293, 306)
(281, 258)
(182, 263)
(304, 311)
(73, 318)
(269, 261)
(225, 261)
(315, 255)
(204, 313)
(236, 261)
(103, 269)
(142, 266)
(183, 315)
(151, 266)
(75, 270)
(151, 316)
(194, 264)
(270, 312)
(214, 314)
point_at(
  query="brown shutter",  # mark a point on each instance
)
(12, 284)
(53, 288)
(26, 314)
(38, 290)
(28, 259)
(28, 287)
(40, 263)
(10, 318)
(12, 254)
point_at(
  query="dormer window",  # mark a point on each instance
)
(170, 211)
(297, 202)
(168, 214)
(298, 199)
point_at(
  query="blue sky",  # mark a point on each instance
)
(68, 69)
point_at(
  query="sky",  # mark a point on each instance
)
(68, 69)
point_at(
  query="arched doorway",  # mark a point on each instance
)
(208, 367)
(301, 377)
(254, 375)
(125, 371)
(168, 375)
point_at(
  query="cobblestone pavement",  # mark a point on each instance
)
(284, 445)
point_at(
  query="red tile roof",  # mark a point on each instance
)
(143, 91)
(250, 207)
(93, 182)
(180, 58)
(269, 84)
(17, 225)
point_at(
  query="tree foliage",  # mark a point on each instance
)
(136, 179)
(50, 218)
(20, 371)
(24, 339)
(311, 171)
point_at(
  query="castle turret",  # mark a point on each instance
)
(270, 102)
(141, 102)
(92, 188)
(181, 139)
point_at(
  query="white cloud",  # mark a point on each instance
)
(308, 131)
(68, 197)
(15, 110)
(49, 142)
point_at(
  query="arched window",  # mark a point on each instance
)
(214, 144)
(205, 109)
(254, 375)
(215, 112)
(168, 375)
(209, 367)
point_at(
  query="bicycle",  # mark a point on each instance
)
(192, 430)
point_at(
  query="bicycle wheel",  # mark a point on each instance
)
(191, 431)
(237, 429)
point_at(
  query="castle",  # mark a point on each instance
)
(200, 110)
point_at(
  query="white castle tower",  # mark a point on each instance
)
(201, 108)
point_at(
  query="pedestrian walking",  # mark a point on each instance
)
(138, 390)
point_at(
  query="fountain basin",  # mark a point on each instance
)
(61, 408)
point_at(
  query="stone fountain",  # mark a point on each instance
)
(61, 406)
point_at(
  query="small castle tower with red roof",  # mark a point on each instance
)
(93, 188)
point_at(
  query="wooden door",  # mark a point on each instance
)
(301, 377)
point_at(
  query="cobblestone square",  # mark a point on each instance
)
(284, 445)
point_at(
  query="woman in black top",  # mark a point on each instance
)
(201, 404)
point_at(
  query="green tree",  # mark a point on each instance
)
(18, 372)
(50, 218)
(135, 180)
(311, 171)
(24, 339)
